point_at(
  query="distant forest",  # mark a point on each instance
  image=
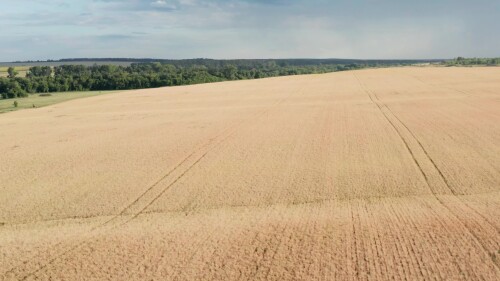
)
(121, 74)
(460, 61)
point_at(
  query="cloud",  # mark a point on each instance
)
(114, 37)
(161, 4)
(139, 5)
(249, 28)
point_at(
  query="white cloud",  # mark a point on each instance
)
(159, 3)
(249, 29)
(163, 5)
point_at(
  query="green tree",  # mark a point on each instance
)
(12, 72)
(14, 90)
(230, 72)
(39, 71)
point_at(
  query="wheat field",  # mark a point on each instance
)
(379, 174)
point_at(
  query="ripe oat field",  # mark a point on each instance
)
(363, 175)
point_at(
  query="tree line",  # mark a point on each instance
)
(461, 61)
(68, 78)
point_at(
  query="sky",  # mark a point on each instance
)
(229, 29)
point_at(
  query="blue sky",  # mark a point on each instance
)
(378, 29)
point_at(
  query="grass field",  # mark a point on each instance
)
(377, 174)
(7, 105)
(59, 63)
(22, 70)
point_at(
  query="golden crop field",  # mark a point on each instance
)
(362, 175)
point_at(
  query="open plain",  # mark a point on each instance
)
(363, 175)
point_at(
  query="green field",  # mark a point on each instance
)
(7, 105)
(21, 69)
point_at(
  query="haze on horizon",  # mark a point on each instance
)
(225, 29)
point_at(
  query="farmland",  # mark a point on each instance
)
(22, 70)
(389, 173)
(36, 100)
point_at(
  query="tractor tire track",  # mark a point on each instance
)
(223, 137)
(441, 173)
(380, 105)
(405, 142)
(227, 133)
